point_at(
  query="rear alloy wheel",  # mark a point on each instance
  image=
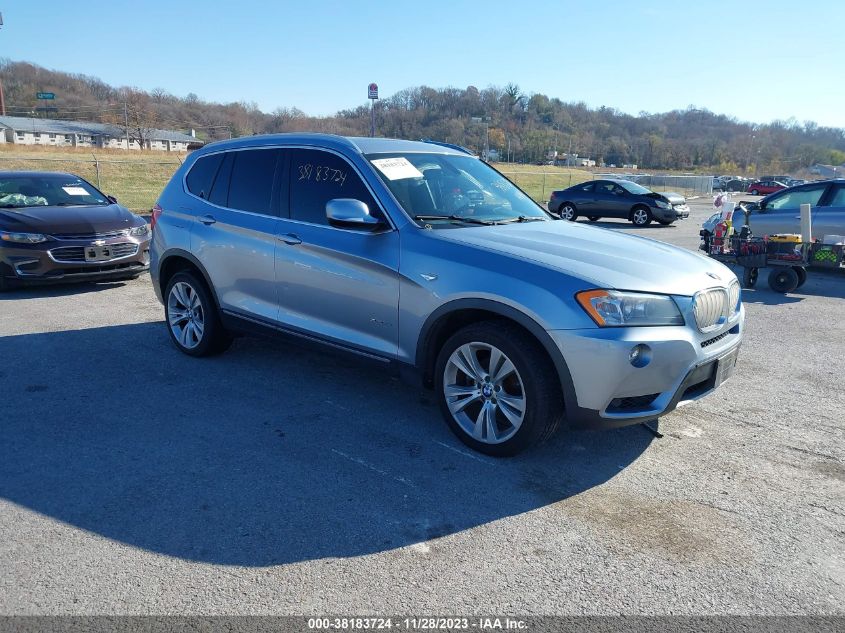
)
(192, 318)
(783, 279)
(641, 216)
(568, 212)
(497, 389)
(593, 218)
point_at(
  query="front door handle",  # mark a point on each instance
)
(208, 219)
(290, 238)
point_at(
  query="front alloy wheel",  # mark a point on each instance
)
(484, 392)
(641, 216)
(497, 387)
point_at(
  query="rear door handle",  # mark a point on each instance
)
(208, 219)
(290, 238)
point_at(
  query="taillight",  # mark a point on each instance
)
(154, 217)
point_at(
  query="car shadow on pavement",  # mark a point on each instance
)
(625, 224)
(269, 454)
(59, 290)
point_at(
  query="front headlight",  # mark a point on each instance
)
(663, 205)
(22, 238)
(140, 231)
(612, 308)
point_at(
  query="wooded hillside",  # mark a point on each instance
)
(521, 127)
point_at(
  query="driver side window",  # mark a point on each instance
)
(317, 177)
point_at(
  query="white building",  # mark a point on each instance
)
(57, 133)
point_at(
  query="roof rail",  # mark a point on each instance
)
(450, 145)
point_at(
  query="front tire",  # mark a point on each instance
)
(641, 216)
(192, 318)
(497, 389)
(568, 212)
(754, 192)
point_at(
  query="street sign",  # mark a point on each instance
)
(372, 91)
(45, 95)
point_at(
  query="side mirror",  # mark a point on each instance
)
(112, 199)
(348, 213)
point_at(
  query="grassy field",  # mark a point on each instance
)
(134, 178)
(538, 181)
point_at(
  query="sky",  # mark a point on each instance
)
(755, 60)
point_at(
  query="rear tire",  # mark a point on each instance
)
(192, 318)
(641, 216)
(783, 279)
(754, 192)
(568, 211)
(498, 391)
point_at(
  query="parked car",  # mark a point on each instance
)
(618, 199)
(59, 227)
(425, 258)
(763, 187)
(780, 212)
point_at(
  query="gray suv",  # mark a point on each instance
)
(424, 258)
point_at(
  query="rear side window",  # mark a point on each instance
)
(251, 184)
(220, 189)
(201, 176)
(588, 187)
(317, 177)
(838, 197)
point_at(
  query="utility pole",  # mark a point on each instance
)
(126, 121)
(2, 96)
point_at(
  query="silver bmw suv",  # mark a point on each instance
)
(422, 257)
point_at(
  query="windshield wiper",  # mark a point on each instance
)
(522, 218)
(456, 218)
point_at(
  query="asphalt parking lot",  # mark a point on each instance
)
(278, 480)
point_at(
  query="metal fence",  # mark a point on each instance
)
(539, 185)
(135, 183)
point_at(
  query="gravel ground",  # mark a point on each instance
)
(280, 480)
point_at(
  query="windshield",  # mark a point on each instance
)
(41, 190)
(632, 187)
(453, 189)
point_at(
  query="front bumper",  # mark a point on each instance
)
(679, 212)
(610, 392)
(64, 260)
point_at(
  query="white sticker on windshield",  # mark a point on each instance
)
(75, 191)
(397, 168)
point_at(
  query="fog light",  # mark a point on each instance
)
(640, 355)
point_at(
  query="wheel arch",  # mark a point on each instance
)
(450, 317)
(176, 261)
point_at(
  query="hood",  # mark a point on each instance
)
(601, 257)
(48, 220)
(671, 196)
